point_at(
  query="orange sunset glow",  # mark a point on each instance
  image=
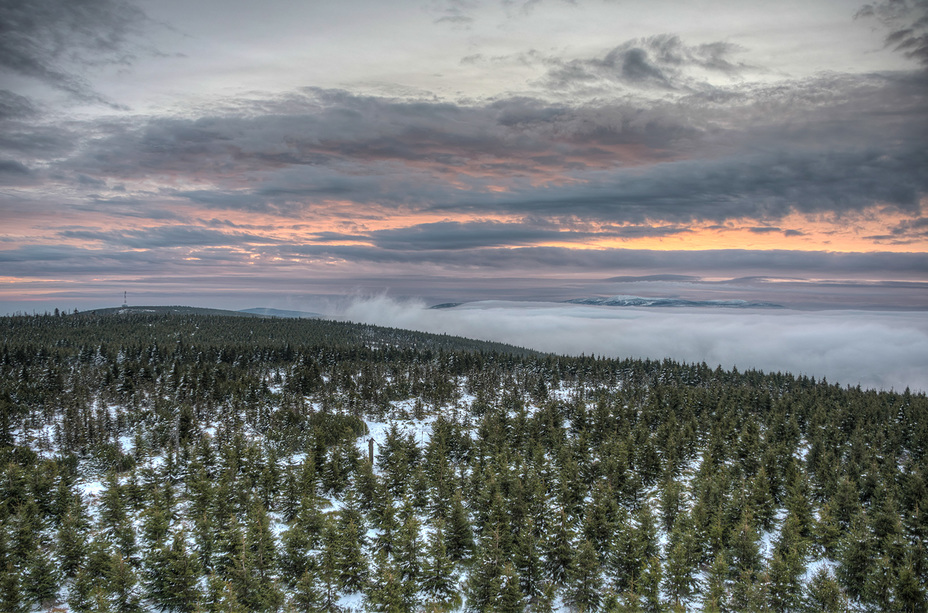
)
(634, 145)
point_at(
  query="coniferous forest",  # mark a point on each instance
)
(203, 463)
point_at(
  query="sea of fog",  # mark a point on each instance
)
(875, 349)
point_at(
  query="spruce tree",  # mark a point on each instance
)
(528, 562)
(308, 596)
(651, 586)
(559, 552)
(787, 566)
(716, 593)
(439, 580)
(823, 594)
(855, 556)
(586, 582)
(93, 579)
(173, 580)
(459, 535)
(510, 598)
(682, 560)
(408, 546)
(11, 597)
(302, 536)
(485, 579)
(41, 576)
(352, 564)
(72, 545)
(329, 565)
(909, 591)
(261, 551)
(386, 592)
(126, 596)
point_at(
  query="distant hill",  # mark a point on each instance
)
(218, 327)
(166, 310)
(266, 312)
(639, 301)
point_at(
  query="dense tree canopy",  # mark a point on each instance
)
(203, 463)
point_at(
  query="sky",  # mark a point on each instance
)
(236, 154)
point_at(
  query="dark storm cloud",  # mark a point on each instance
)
(39, 142)
(76, 263)
(54, 260)
(766, 186)
(906, 232)
(166, 237)
(455, 19)
(54, 41)
(907, 22)
(732, 261)
(829, 145)
(14, 106)
(90, 181)
(332, 129)
(12, 167)
(677, 278)
(659, 61)
(453, 235)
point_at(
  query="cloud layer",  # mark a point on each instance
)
(879, 350)
(226, 152)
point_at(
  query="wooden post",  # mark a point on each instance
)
(370, 450)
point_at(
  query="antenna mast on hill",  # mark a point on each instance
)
(125, 302)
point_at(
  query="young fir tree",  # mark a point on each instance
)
(387, 526)
(261, 548)
(823, 594)
(855, 555)
(303, 535)
(745, 549)
(329, 574)
(651, 586)
(485, 578)
(682, 561)
(909, 591)
(716, 595)
(11, 597)
(386, 593)
(408, 546)
(350, 539)
(72, 541)
(41, 576)
(173, 580)
(220, 597)
(459, 534)
(230, 546)
(439, 578)
(878, 591)
(599, 519)
(93, 579)
(307, 595)
(510, 598)
(155, 525)
(124, 582)
(787, 566)
(528, 562)
(585, 593)
(559, 552)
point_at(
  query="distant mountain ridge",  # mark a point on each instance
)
(165, 310)
(639, 301)
(189, 310)
(268, 312)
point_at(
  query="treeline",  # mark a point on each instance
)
(193, 463)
